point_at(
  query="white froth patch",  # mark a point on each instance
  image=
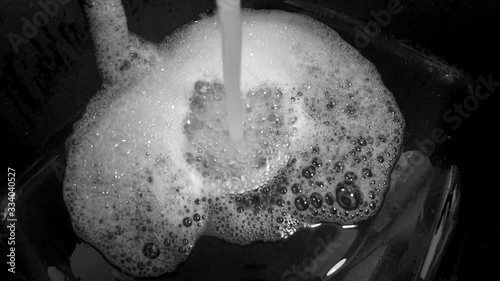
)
(273, 51)
(128, 184)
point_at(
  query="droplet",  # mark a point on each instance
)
(309, 172)
(317, 162)
(189, 157)
(371, 194)
(301, 203)
(151, 250)
(141, 265)
(187, 221)
(283, 190)
(249, 202)
(348, 196)
(367, 172)
(239, 210)
(167, 242)
(338, 166)
(280, 202)
(329, 198)
(196, 217)
(316, 200)
(350, 177)
(296, 188)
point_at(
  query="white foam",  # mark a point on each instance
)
(127, 153)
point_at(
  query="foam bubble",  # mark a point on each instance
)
(151, 168)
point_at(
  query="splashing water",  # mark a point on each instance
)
(230, 18)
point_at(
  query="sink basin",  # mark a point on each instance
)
(406, 240)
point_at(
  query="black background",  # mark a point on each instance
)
(46, 83)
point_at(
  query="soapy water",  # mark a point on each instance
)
(322, 135)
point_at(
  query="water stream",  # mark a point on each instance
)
(229, 14)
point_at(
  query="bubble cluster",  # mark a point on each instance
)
(151, 167)
(151, 250)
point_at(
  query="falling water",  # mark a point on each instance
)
(229, 14)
